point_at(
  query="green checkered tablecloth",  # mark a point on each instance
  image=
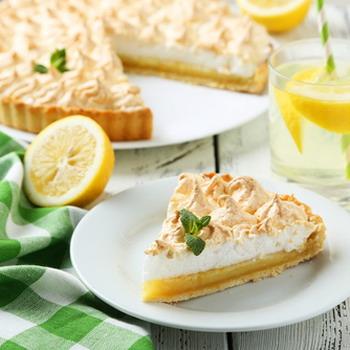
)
(41, 306)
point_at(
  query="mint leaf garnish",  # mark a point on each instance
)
(196, 244)
(40, 68)
(205, 220)
(189, 221)
(192, 226)
(57, 60)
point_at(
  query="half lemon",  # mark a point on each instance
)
(69, 162)
(276, 15)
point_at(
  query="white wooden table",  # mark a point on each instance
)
(242, 151)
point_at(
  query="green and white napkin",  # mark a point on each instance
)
(42, 307)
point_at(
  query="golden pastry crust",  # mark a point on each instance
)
(235, 275)
(119, 125)
(193, 75)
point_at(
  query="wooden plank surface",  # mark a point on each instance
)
(137, 166)
(172, 339)
(245, 150)
(330, 331)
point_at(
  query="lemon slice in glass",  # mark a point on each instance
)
(324, 102)
(69, 162)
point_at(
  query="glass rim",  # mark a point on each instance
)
(304, 41)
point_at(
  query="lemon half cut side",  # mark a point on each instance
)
(276, 15)
(69, 162)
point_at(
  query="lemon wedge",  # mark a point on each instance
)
(69, 162)
(291, 117)
(315, 104)
(327, 106)
(276, 15)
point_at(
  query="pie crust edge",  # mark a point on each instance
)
(119, 125)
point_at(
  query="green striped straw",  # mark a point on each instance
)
(345, 143)
(330, 68)
(324, 32)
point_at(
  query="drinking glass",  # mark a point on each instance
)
(309, 117)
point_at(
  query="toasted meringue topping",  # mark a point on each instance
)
(197, 26)
(94, 79)
(279, 213)
(248, 193)
(239, 208)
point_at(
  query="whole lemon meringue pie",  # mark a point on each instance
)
(36, 88)
(221, 231)
(201, 42)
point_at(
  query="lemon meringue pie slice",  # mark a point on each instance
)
(36, 88)
(222, 231)
(201, 42)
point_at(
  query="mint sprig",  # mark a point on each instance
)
(193, 226)
(58, 61)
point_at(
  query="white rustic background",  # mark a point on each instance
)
(240, 151)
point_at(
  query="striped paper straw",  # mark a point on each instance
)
(345, 143)
(330, 68)
(324, 32)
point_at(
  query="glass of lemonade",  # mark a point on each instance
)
(310, 117)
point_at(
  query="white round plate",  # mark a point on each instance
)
(107, 251)
(184, 112)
